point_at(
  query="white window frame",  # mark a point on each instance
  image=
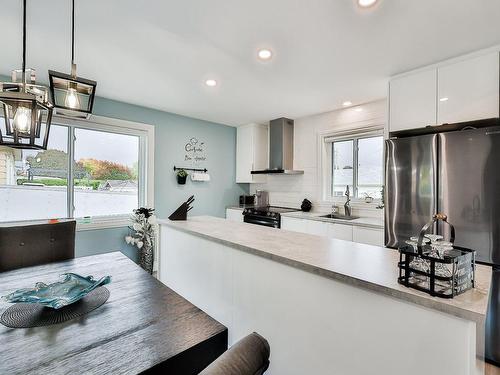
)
(325, 159)
(146, 135)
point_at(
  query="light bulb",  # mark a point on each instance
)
(22, 120)
(72, 100)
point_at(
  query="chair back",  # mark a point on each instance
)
(31, 245)
(249, 356)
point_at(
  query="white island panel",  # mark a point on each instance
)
(315, 325)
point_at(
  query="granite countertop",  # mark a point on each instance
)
(369, 222)
(365, 266)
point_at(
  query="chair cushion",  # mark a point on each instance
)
(249, 356)
(31, 245)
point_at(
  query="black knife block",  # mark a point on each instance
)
(180, 213)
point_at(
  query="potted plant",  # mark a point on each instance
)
(368, 198)
(143, 234)
(181, 176)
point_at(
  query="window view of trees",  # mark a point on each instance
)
(105, 176)
(50, 169)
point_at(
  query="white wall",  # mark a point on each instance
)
(290, 190)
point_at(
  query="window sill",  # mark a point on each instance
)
(356, 203)
(103, 223)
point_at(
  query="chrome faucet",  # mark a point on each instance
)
(347, 206)
(335, 209)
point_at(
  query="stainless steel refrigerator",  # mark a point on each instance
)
(456, 173)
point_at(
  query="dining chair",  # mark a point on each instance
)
(31, 245)
(249, 356)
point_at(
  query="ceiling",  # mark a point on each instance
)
(158, 53)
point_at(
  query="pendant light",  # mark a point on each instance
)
(27, 111)
(72, 95)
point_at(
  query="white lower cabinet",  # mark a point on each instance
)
(340, 231)
(369, 236)
(293, 224)
(319, 228)
(234, 214)
(347, 232)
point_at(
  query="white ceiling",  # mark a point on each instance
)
(158, 53)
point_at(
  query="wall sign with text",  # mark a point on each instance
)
(195, 151)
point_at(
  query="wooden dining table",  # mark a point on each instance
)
(144, 327)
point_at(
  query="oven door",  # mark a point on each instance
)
(272, 222)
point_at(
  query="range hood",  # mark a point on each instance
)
(280, 148)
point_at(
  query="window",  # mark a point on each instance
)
(357, 162)
(34, 184)
(107, 175)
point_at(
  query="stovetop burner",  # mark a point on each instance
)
(272, 209)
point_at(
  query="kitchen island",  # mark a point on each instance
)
(326, 306)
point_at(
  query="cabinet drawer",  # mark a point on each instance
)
(340, 231)
(369, 236)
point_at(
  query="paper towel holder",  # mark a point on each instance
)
(191, 169)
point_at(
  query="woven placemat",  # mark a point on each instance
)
(28, 315)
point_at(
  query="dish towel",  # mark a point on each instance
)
(200, 177)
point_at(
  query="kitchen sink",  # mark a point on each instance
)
(340, 217)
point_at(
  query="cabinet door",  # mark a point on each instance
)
(251, 152)
(244, 154)
(340, 231)
(412, 101)
(469, 90)
(369, 236)
(293, 224)
(319, 228)
(234, 215)
(260, 152)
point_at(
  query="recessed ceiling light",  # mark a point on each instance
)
(211, 82)
(347, 103)
(366, 3)
(445, 99)
(358, 109)
(265, 54)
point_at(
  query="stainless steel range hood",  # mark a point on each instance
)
(280, 148)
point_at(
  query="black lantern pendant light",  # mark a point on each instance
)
(27, 111)
(72, 95)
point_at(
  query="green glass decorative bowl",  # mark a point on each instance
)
(70, 289)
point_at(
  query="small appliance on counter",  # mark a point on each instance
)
(306, 205)
(268, 216)
(261, 198)
(432, 265)
(247, 200)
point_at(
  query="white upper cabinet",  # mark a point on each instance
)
(469, 90)
(252, 149)
(451, 92)
(413, 101)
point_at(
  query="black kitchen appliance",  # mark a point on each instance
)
(247, 200)
(269, 216)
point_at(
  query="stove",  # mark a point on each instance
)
(269, 216)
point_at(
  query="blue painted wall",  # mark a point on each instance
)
(91, 242)
(172, 132)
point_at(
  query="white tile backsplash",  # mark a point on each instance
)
(290, 190)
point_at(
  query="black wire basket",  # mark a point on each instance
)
(443, 275)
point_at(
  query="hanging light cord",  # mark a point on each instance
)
(72, 33)
(24, 43)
